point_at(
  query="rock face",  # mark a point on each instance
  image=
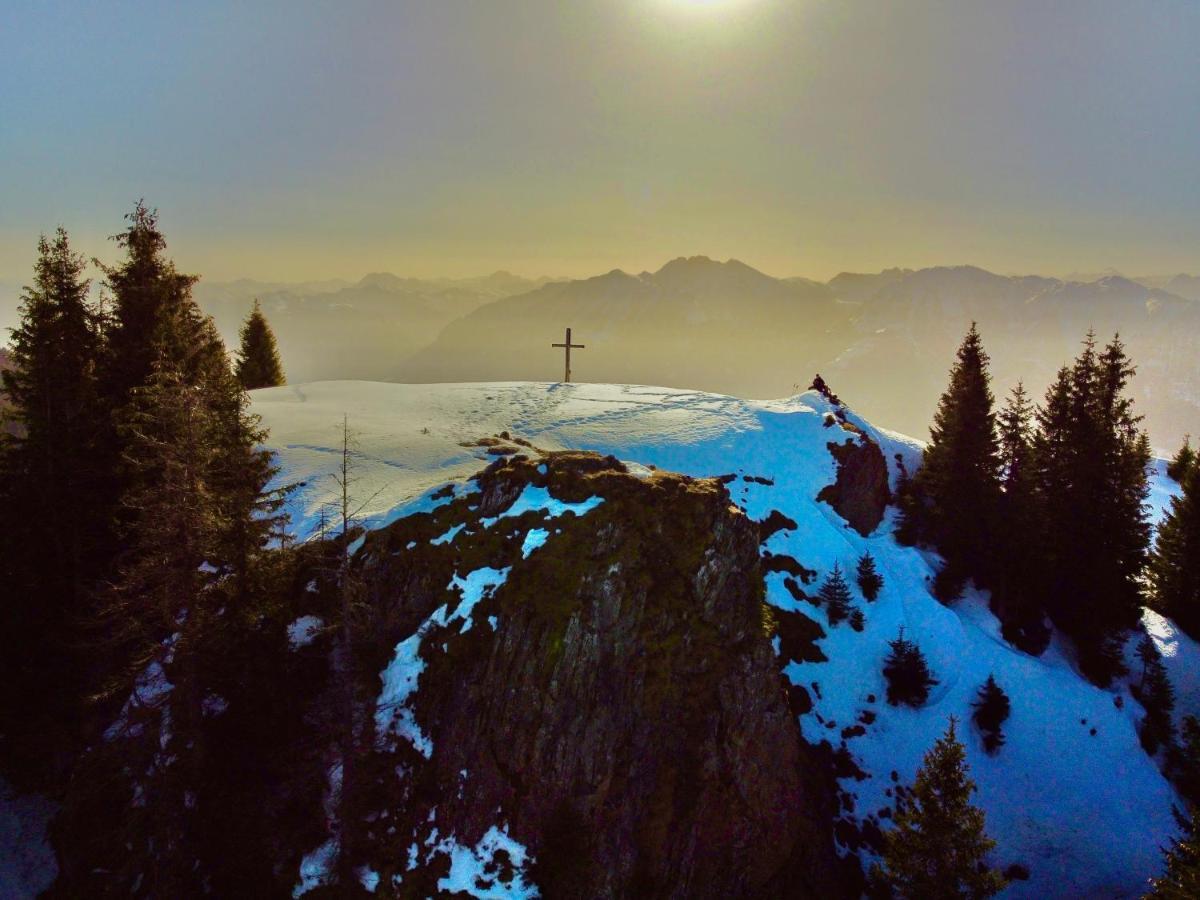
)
(561, 677)
(615, 703)
(860, 494)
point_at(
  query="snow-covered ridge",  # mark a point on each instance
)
(1071, 795)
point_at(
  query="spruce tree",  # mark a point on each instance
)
(1183, 460)
(870, 582)
(939, 847)
(258, 364)
(1017, 592)
(957, 488)
(145, 287)
(1181, 881)
(835, 594)
(991, 711)
(1185, 760)
(1175, 566)
(1157, 696)
(52, 482)
(1091, 459)
(907, 673)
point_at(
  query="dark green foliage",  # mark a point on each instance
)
(991, 711)
(870, 582)
(1175, 565)
(1185, 760)
(907, 673)
(195, 518)
(1183, 461)
(956, 490)
(1155, 693)
(835, 595)
(938, 847)
(54, 491)
(1091, 482)
(147, 290)
(857, 620)
(258, 364)
(1019, 583)
(1181, 881)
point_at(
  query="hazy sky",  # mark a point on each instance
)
(305, 139)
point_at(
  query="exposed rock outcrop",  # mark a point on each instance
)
(615, 703)
(860, 494)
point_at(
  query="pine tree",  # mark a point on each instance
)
(1157, 696)
(907, 673)
(52, 482)
(1181, 881)
(1175, 566)
(1183, 461)
(835, 594)
(991, 711)
(258, 363)
(870, 582)
(938, 848)
(957, 488)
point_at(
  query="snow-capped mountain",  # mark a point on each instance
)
(1071, 796)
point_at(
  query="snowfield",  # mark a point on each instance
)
(1070, 795)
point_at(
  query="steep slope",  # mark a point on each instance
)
(1071, 796)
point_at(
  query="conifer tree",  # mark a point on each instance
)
(991, 711)
(1185, 760)
(1181, 881)
(161, 611)
(939, 847)
(907, 673)
(258, 364)
(1017, 591)
(51, 483)
(1156, 694)
(957, 487)
(1175, 565)
(835, 594)
(870, 582)
(145, 287)
(1182, 461)
(1091, 460)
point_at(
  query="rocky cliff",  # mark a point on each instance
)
(613, 704)
(558, 680)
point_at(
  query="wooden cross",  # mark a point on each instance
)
(567, 345)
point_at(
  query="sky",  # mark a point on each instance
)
(302, 139)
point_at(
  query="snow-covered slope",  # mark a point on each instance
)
(1071, 795)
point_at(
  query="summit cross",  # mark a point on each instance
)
(567, 346)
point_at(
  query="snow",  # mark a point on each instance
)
(472, 589)
(450, 535)
(1086, 813)
(538, 499)
(316, 869)
(534, 539)
(303, 631)
(393, 715)
(472, 869)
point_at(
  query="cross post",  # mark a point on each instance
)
(567, 345)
